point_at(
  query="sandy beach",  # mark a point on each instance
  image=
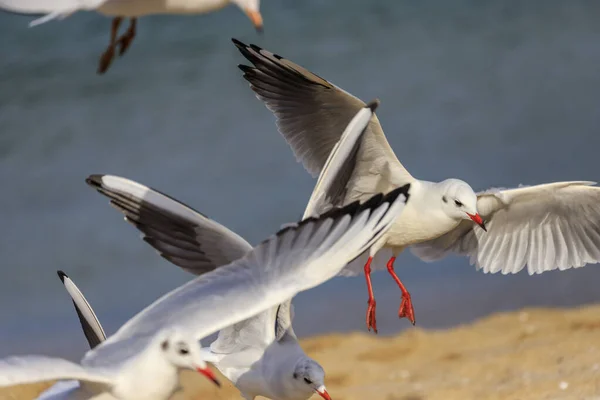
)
(528, 354)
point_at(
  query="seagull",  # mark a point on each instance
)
(247, 353)
(119, 10)
(297, 258)
(142, 358)
(150, 373)
(260, 355)
(546, 227)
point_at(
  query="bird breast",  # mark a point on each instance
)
(417, 225)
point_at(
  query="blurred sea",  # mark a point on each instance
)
(497, 93)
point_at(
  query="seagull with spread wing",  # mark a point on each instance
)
(544, 227)
(260, 355)
(142, 358)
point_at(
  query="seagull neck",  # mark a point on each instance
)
(150, 375)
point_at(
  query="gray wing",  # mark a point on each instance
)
(295, 259)
(546, 227)
(311, 115)
(87, 318)
(332, 185)
(180, 234)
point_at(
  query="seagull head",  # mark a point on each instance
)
(309, 377)
(252, 9)
(184, 353)
(459, 201)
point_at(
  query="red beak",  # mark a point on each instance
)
(209, 374)
(323, 393)
(477, 219)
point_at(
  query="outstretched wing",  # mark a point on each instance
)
(87, 318)
(31, 369)
(311, 115)
(546, 227)
(297, 258)
(179, 233)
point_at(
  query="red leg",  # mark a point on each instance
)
(371, 321)
(406, 307)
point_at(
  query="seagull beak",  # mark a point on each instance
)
(209, 374)
(477, 219)
(256, 19)
(323, 392)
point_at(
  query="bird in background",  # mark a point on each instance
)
(122, 9)
(546, 227)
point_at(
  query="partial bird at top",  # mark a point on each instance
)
(120, 9)
(546, 227)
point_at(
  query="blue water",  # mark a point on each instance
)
(498, 93)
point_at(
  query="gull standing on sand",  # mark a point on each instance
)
(260, 355)
(120, 9)
(141, 359)
(546, 227)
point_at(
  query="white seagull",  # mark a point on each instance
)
(141, 360)
(150, 372)
(546, 227)
(120, 9)
(260, 355)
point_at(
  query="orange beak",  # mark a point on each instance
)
(323, 393)
(209, 374)
(477, 219)
(256, 19)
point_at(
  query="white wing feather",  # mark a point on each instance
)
(294, 260)
(89, 322)
(546, 227)
(52, 8)
(31, 369)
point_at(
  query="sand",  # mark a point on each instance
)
(529, 354)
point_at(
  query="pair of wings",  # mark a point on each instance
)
(297, 258)
(545, 227)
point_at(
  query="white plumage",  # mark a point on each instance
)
(549, 226)
(260, 355)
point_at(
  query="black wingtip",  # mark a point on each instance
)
(94, 180)
(373, 104)
(237, 43)
(245, 68)
(62, 275)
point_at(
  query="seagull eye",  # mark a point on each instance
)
(307, 381)
(458, 203)
(182, 349)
